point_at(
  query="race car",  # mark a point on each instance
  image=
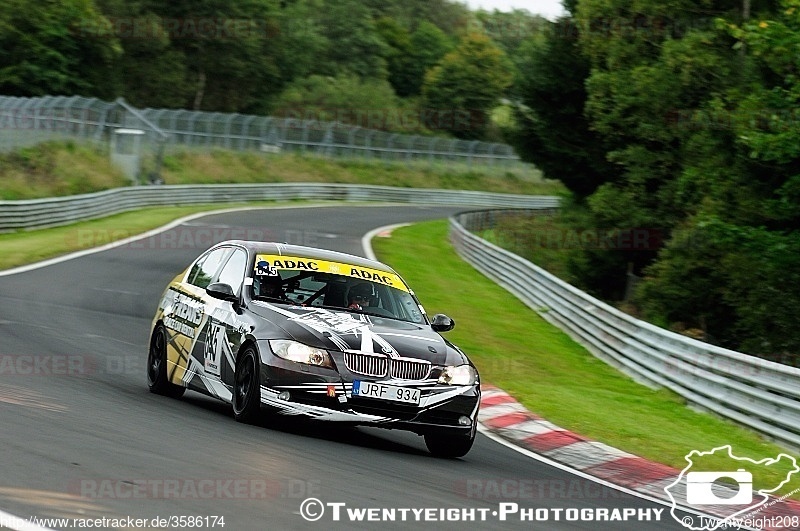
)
(313, 333)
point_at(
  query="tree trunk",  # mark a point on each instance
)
(201, 88)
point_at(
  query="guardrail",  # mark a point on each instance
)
(754, 392)
(37, 213)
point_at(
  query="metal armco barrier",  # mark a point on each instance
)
(36, 213)
(757, 393)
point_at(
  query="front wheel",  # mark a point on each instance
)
(247, 387)
(157, 379)
(450, 443)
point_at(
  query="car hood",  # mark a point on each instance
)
(343, 330)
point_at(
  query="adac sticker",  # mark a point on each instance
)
(267, 263)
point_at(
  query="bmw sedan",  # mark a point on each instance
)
(313, 333)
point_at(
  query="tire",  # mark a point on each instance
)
(157, 379)
(450, 444)
(246, 397)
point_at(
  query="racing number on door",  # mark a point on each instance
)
(213, 350)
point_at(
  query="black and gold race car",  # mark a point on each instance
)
(314, 333)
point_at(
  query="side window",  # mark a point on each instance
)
(204, 269)
(233, 272)
(408, 308)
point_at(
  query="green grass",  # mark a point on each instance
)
(552, 375)
(63, 167)
(56, 168)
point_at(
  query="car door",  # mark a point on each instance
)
(185, 317)
(224, 329)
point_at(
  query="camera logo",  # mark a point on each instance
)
(704, 488)
(711, 500)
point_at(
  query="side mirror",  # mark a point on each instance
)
(222, 291)
(442, 323)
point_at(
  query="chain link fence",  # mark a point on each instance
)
(28, 121)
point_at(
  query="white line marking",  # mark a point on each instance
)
(119, 243)
(181, 221)
(366, 240)
(485, 431)
(153, 232)
(120, 291)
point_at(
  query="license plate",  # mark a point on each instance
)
(386, 392)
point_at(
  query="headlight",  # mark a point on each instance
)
(300, 353)
(459, 375)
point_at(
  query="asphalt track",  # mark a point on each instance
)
(83, 438)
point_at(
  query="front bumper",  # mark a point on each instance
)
(325, 394)
(443, 415)
(327, 398)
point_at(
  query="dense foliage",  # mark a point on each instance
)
(684, 123)
(364, 62)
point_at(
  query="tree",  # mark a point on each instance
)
(149, 72)
(230, 48)
(749, 214)
(553, 132)
(367, 103)
(400, 57)
(468, 82)
(357, 47)
(510, 29)
(54, 48)
(429, 45)
(645, 67)
(699, 121)
(301, 42)
(451, 17)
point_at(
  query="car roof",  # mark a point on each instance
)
(300, 251)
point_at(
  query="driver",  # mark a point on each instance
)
(362, 296)
(266, 285)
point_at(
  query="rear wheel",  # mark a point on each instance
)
(450, 443)
(157, 379)
(247, 387)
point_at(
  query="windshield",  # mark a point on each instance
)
(335, 285)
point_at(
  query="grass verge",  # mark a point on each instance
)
(554, 376)
(65, 167)
(55, 169)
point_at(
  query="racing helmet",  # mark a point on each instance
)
(265, 284)
(363, 291)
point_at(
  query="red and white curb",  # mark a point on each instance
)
(501, 414)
